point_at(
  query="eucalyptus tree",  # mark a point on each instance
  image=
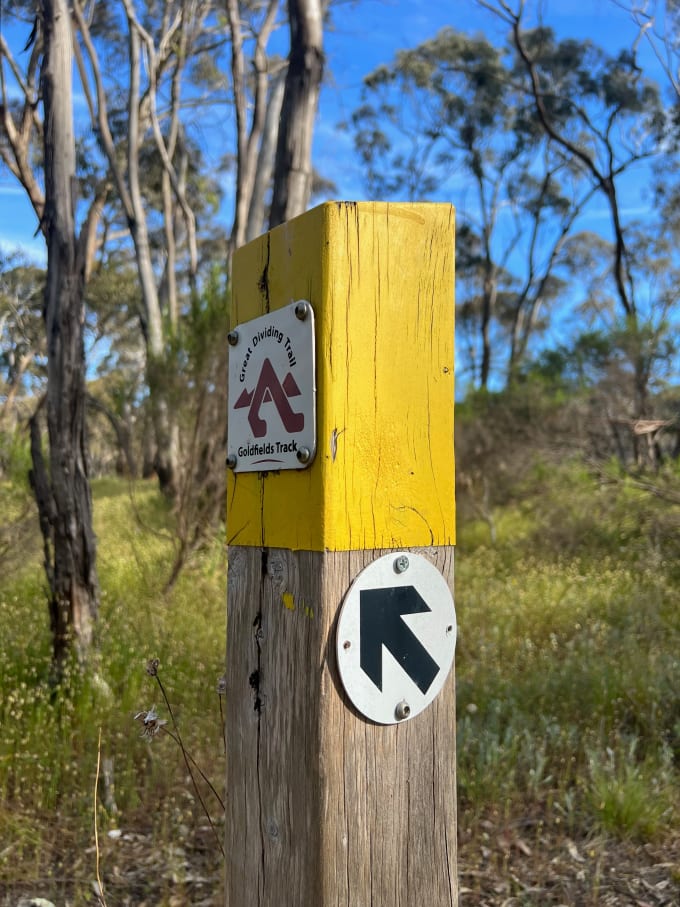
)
(38, 146)
(256, 132)
(274, 143)
(22, 339)
(151, 74)
(447, 118)
(131, 71)
(606, 118)
(175, 70)
(134, 99)
(293, 173)
(658, 23)
(62, 489)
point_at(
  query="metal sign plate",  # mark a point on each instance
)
(272, 391)
(396, 637)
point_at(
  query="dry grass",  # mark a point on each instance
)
(569, 713)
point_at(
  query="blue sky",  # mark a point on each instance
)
(365, 34)
(370, 32)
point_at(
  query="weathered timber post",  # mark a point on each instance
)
(326, 806)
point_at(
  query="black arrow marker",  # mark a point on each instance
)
(381, 624)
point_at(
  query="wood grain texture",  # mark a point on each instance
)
(324, 807)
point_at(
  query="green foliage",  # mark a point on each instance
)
(19, 534)
(569, 632)
(567, 672)
(574, 365)
(15, 459)
(555, 664)
(197, 376)
(22, 346)
(48, 749)
(522, 136)
(630, 797)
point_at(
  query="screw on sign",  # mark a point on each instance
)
(272, 391)
(396, 637)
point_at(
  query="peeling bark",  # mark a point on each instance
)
(63, 494)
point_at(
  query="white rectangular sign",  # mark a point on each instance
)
(272, 391)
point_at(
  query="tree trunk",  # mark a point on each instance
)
(64, 497)
(293, 168)
(265, 160)
(488, 307)
(166, 430)
(126, 463)
(8, 414)
(248, 139)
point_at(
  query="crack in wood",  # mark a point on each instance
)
(263, 283)
(254, 681)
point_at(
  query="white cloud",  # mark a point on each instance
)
(35, 251)
(12, 190)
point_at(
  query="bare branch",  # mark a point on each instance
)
(16, 154)
(248, 141)
(102, 116)
(168, 166)
(603, 180)
(87, 240)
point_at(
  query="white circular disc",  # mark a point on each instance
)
(396, 637)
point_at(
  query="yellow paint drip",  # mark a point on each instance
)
(380, 278)
(288, 601)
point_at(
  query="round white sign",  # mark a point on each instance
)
(396, 637)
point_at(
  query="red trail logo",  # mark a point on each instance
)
(270, 390)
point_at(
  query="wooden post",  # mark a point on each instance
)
(325, 807)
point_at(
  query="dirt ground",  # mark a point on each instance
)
(524, 863)
(500, 864)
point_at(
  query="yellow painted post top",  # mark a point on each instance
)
(380, 278)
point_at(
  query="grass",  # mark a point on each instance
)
(48, 745)
(568, 679)
(557, 669)
(629, 796)
(568, 665)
